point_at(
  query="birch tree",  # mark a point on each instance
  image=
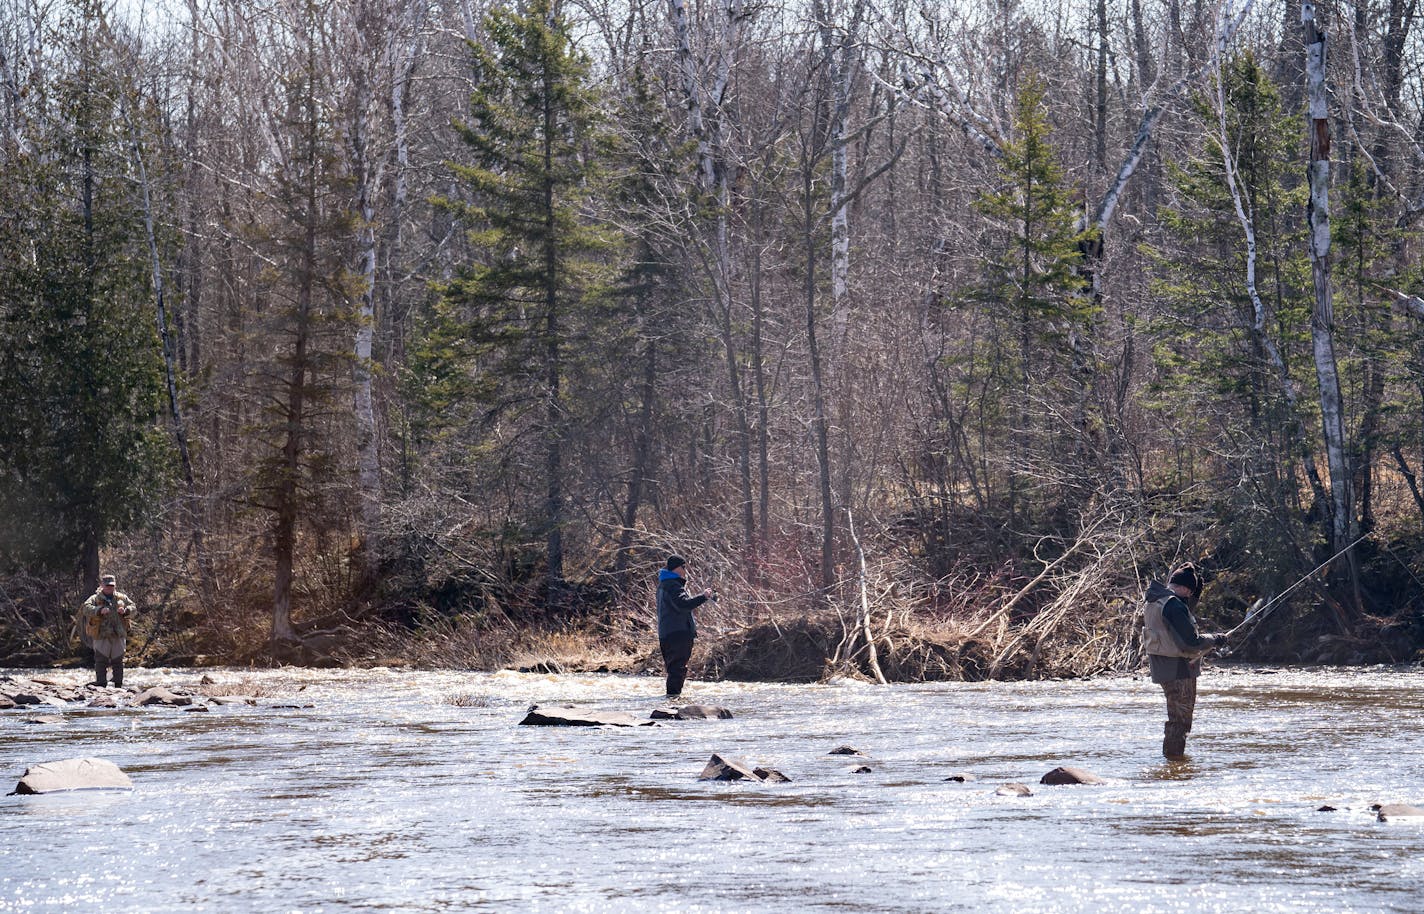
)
(1322, 321)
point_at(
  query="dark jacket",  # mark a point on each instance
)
(675, 606)
(1183, 628)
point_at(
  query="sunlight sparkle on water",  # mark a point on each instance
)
(416, 791)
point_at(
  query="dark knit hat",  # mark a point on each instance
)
(675, 562)
(1187, 576)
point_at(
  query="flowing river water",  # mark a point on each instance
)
(417, 791)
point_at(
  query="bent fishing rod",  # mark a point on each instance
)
(1259, 613)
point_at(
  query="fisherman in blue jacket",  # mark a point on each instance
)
(1175, 649)
(676, 627)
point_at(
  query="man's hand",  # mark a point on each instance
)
(707, 592)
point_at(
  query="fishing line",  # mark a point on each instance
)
(1258, 615)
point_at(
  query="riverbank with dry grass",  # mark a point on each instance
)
(1068, 608)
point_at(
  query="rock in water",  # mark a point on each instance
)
(771, 776)
(73, 774)
(692, 712)
(1396, 812)
(845, 750)
(1069, 775)
(724, 769)
(863, 769)
(161, 696)
(579, 717)
(1013, 790)
(961, 777)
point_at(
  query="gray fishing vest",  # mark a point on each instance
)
(1158, 637)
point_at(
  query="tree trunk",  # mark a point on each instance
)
(642, 442)
(290, 467)
(553, 367)
(368, 459)
(707, 123)
(819, 428)
(1322, 323)
(1100, 119)
(170, 371)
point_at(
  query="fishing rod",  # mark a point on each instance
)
(1260, 612)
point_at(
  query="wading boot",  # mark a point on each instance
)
(1174, 740)
(119, 673)
(100, 667)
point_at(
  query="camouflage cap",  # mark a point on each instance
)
(107, 581)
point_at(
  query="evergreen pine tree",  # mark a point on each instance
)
(81, 454)
(532, 296)
(1217, 371)
(1032, 294)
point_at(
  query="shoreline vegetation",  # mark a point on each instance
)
(1078, 615)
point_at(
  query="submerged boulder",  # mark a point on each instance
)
(1395, 812)
(845, 750)
(161, 696)
(692, 712)
(960, 777)
(1070, 775)
(1013, 790)
(73, 774)
(721, 768)
(565, 716)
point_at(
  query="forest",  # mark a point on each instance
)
(422, 331)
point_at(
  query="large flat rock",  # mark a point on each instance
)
(566, 716)
(722, 768)
(692, 712)
(1070, 775)
(1400, 812)
(161, 696)
(73, 774)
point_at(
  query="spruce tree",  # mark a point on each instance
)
(1225, 373)
(1031, 294)
(81, 454)
(531, 297)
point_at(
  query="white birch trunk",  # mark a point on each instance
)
(1322, 322)
(1248, 228)
(1412, 305)
(368, 461)
(840, 53)
(708, 126)
(1230, 24)
(692, 92)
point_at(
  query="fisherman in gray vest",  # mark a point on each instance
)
(107, 616)
(1175, 649)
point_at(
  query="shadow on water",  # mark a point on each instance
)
(1182, 769)
(732, 793)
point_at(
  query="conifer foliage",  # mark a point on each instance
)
(530, 297)
(80, 456)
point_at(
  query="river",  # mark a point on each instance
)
(417, 791)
